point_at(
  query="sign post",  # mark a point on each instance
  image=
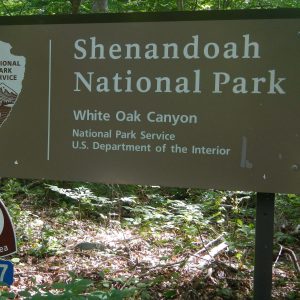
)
(264, 246)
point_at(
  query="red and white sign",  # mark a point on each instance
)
(8, 243)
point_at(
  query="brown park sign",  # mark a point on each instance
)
(206, 100)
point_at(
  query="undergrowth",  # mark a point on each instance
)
(180, 220)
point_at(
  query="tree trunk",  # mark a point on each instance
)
(75, 6)
(180, 5)
(100, 6)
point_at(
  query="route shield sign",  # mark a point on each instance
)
(6, 272)
(207, 100)
(8, 243)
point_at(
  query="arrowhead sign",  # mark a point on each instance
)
(8, 243)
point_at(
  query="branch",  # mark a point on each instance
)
(277, 258)
(291, 254)
(195, 5)
(206, 259)
(207, 245)
(188, 259)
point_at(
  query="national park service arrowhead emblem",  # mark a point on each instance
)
(12, 69)
(8, 243)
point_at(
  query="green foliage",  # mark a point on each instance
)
(225, 293)
(33, 7)
(49, 7)
(64, 290)
(80, 288)
(4, 295)
(288, 205)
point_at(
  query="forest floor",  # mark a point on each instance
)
(128, 262)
